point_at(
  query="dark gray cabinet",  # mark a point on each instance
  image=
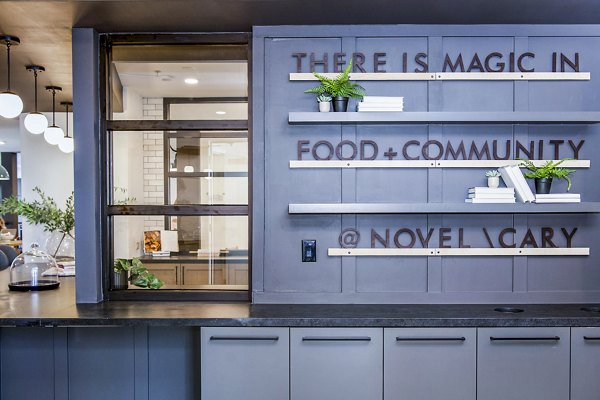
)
(244, 363)
(523, 363)
(336, 363)
(585, 363)
(430, 363)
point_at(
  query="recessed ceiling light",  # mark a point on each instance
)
(191, 81)
(2, 142)
(220, 112)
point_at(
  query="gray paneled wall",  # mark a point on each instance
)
(279, 276)
(149, 363)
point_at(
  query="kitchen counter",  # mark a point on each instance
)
(58, 308)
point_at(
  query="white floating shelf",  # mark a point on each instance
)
(447, 117)
(459, 252)
(452, 76)
(425, 163)
(444, 208)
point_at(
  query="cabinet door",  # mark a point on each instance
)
(168, 273)
(237, 274)
(523, 363)
(198, 274)
(245, 363)
(585, 363)
(430, 364)
(336, 364)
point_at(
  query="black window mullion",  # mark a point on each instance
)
(191, 210)
(177, 125)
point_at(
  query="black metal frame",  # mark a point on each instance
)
(105, 148)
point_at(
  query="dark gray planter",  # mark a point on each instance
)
(340, 104)
(119, 280)
(542, 185)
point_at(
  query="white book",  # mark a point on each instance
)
(558, 196)
(382, 99)
(510, 181)
(540, 201)
(490, 201)
(380, 105)
(491, 195)
(485, 189)
(388, 109)
(523, 183)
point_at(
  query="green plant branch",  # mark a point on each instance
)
(43, 212)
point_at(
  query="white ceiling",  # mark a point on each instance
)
(215, 79)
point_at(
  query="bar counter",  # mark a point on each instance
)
(58, 308)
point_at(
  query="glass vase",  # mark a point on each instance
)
(61, 246)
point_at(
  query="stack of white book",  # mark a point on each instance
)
(558, 198)
(513, 178)
(381, 103)
(490, 195)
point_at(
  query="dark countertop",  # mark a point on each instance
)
(58, 308)
(192, 259)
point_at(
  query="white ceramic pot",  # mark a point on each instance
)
(325, 107)
(493, 181)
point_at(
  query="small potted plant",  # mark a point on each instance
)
(340, 88)
(324, 100)
(133, 271)
(493, 178)
(543, 175)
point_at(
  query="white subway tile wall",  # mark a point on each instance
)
(153, 162)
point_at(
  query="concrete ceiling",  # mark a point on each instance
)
(45, 26)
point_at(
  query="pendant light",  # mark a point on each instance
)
(66, 144)
(11, 105)
(4, 176)
(36, 122)
(53, 134)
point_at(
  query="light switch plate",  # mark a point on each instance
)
(309, 251)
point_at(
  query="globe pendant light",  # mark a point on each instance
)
(66, 145)
(36, 122)
(53, 134)
(11, 105)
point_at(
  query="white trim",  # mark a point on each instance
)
(362, 164)
(425, 163)
(512, 76)
(460, 252)
(451, 76)
(502, 163)
(358, 252)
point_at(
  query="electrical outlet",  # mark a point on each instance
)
(309, 251)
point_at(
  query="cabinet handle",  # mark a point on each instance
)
(430, 339)
(525, 339)
(591, 338)
(336, 339)
(244, 338)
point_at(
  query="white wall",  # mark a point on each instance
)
(128, 164)
(46, 167)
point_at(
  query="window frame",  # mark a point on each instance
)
(108, 127)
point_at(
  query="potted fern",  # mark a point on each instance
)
(134, 271)
(543, 175)
(339, 88)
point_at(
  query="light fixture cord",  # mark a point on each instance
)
(67, 116)
(35, 86)
(8, 60)
(53, 107)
